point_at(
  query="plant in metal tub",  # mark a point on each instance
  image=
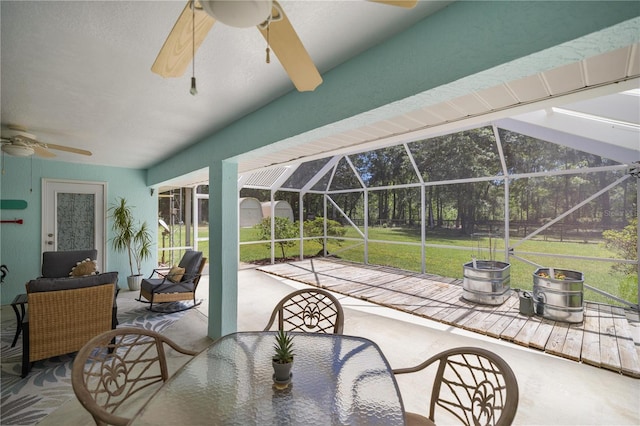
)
(486, 282)
(560, 293)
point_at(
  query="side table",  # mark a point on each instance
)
(20, 300)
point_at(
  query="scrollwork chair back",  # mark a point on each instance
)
(308, 310)
(118, 370)
(473, 384)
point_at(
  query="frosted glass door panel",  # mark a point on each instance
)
(76, 221)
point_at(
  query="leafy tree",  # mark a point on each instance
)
(625, 242)
(284, 229)
(315, 227)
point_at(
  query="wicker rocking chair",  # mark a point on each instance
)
(174, 286)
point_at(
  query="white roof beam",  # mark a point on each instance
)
(612, 148)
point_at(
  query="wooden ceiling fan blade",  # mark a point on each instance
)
(40, 151)
(68, 149)
(177, 51)
(291, 53)
(408, 4)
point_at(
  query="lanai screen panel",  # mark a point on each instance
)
(345, 177)
(304, 173)
(385, 167)
(463, 155)
(524, 154)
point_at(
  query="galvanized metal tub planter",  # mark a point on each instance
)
(559, 298)
(486, 282)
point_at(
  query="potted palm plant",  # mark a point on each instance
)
(283, 358)
(131, 238)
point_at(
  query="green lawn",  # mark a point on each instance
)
(447, 261)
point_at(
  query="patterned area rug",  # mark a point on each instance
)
(48, 385)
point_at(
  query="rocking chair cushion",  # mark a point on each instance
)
(190, 262)
(175, 274)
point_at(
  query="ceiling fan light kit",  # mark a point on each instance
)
(240, 14)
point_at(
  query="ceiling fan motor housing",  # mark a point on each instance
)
(239, 13)
(17, 134)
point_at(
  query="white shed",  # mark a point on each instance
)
(250, 212)
(282, 209)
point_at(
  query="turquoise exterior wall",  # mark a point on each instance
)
(20, 244)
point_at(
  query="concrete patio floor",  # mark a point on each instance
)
(553, 391)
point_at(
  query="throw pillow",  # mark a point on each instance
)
(175, 274)
(85, 268)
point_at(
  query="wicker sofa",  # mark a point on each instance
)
(65, 312)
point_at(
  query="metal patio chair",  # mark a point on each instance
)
(308, 310)
(119, 370)
(475, 385)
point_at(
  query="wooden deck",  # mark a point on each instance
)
(605, 338)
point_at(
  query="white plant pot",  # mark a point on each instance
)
(282, 374)
(134, 282)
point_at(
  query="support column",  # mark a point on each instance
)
(223, 248)
(189, 228)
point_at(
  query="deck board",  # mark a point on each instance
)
(479, 313)
(573, 343)
(610, 357)
(490, 322)
(604, 339)
(543, 332)
(437, 301)
(628, 357)
(556, 340)
(516, 324)
(591, 339)
(504, 319)
(528, 331)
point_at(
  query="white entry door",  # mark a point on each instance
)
(74, 217)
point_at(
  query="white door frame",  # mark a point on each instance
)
(50, 187)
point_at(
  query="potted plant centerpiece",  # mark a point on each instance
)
(131, 238)
(283, 359)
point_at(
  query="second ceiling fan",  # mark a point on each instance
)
(198, 17)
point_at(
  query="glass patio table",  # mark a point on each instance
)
(336, 380)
